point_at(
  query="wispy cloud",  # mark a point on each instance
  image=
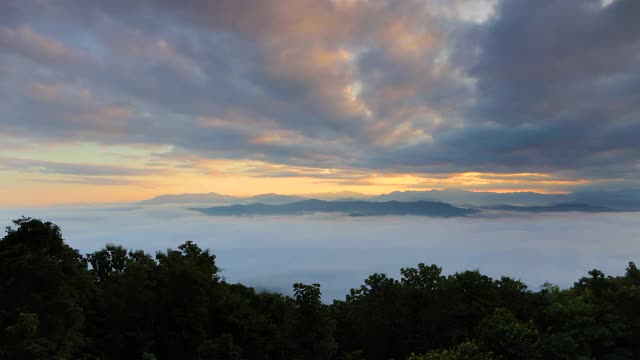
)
(51, 167)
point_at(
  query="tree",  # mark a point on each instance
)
(184, 280)
(23, 340)
(313, 327)
(374, 320)
(506, 336)
(45, 287)
(123, 314)
(221, 348)
(421, 308)
(469, 297)
(468, 350)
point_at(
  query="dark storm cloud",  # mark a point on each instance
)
(541, 86)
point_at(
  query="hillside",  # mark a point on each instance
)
(353, 208)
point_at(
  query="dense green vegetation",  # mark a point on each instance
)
(120, 304)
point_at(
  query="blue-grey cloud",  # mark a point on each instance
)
(386, 86)
(558, 87)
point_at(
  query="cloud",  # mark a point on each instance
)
(25, 41)
(97, 180)
(557, 85)
(385, 86)
(52, 167)
(340, 252)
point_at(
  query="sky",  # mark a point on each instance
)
(120, 100)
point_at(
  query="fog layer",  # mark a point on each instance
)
(338, 252)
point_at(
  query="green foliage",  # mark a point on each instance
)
(353, 355)
(508, 337)
(222, 348)
(45, 289)
(120, 304)
(467, 350)
(23, 340)
(148, 356)
(313, 327)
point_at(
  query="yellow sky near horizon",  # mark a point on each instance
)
(90, 173)
(29, 190)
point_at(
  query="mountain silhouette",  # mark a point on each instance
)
(353, 208)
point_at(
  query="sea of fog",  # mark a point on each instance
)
(272, 253)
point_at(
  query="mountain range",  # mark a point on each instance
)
(604, 200)
(219, 199)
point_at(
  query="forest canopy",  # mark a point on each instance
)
(117, 303)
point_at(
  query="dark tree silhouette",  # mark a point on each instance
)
(120, 304)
